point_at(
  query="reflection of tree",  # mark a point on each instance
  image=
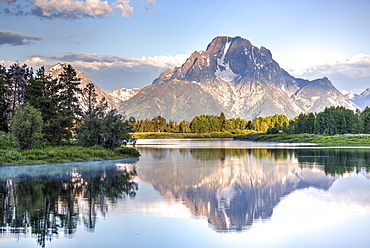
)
(336, 161)
(204, 154)
(49, 204)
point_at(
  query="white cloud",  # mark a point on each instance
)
(70, 8)
(110, 71)
(124, 7)
(357, 66)
(97, 62)
(150, 1)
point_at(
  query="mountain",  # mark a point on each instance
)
(114, 98)
(363, 99)
(234, 77)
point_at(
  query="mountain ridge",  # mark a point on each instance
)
(243, 79)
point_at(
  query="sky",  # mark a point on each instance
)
(128, 43)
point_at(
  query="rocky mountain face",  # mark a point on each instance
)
(114, 98)
(234, 77)
(362, 100)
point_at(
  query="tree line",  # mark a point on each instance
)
(333, 120)
(36, 108)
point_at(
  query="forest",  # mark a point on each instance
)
(331, 121)
(39, 112)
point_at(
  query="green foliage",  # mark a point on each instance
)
(43, 94)
(10, 156)
(365, 116)
(351, 139)
(3, 104)
(262, 124)
(101, 127)
(63, 154)
(7, 141)
(26, 126)
(127, 151)
(337, 120)
(69, 108)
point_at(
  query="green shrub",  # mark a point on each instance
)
(10, 156)
(7, 141)
(131, 152)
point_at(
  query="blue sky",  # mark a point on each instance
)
(127, 43)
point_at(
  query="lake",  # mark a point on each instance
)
(193, 193)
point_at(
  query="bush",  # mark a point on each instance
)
(10, 156)
(132, 152)
(7, 141)
(26, 126)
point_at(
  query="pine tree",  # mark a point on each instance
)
(3, 107)
(43, 93)
(68, 105)
(15, 81)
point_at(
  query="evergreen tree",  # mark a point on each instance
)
(116, 130)
(3, 107)
(15, 81)
(365, 116)
(69, 109)
(89, 132)
(222, 121)
(42, 92)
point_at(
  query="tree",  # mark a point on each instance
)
(3, 107)
(42, 92)
(14, 80)
(69, 108)
(304, 123)
(365, 116)
(89, 132)
(159, 123)
(337, 120)
(100, 126)
(26, 126)
(222, 121)
(116, 130)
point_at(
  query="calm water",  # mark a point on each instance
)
(193, 193)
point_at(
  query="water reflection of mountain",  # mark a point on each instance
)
(53, 204)
(237, 186)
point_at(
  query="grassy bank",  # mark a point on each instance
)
(63, 154)
(350, 139)
(165, 135)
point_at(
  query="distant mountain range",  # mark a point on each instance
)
(230, 76)
(362, 99)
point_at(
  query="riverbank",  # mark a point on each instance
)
(165, 135)
(63, 154)
(351, 139)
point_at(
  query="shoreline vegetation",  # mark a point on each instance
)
(349, 139)
(171, 135)
(345, 139)
(61, 154)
